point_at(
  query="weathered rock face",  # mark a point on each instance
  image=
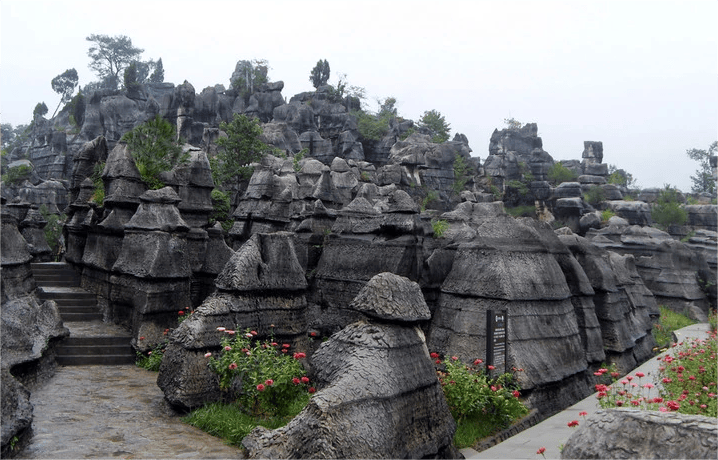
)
(624, 307)
(262, 287)
(623, 433)
(29, 331)
(510, 147)
(378, 392)
(668, 267)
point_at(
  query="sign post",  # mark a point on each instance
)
(496, 334)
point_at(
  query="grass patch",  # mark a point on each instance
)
(472, 429)
(522, 211)
(668, 322)
(229, 423)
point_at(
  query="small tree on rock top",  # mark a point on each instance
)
(435, 122)
(241, 147)
(320, 73)
(64, 85)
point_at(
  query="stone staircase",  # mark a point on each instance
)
(91, 340)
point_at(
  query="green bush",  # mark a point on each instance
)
(461, 176)
(372, 127)
(431, 195)
(98, 195)
(154, 148)
(559, 174)
(152, 359)
(522, 211)
(238, 150)
(668, 211)
(17, 175)
(606, 215)
(221, 206)
(439, 226)
(519, 186)
(53, 229)
(476, 399)
(668, 322)
(595, 195)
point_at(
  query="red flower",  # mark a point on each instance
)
(619, 403)
(284, 350)
(490, 367)
(296, 381)
(313, 334)
(274, 344)
(253, 332)
(434, 355)
(269, 382)
(541, 450)
(573, 423)
(454, 358)
(673, 405)
(232, 366)
(615, 375)
(305, 379)
(582, 413)
(311, 390)
(640, 374)
(636, 402)
(181, 313)
(229, 332)
(438, 361)
(493, 388)
(478, 361)
(260, 387)
(300, 355)
(142, 338)
(516, 393)
(285, 345)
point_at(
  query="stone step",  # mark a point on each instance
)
(87, 360)
(94, 350)
(73, 302)
(73, 317)
(57, 280)
(64, 292)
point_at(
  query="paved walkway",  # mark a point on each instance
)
(111, 412)
(554, 431)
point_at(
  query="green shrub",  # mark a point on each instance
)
(519, 186)
(474, 398)
(559, 174)
(606, 215)
(154, 148)
(98, 195)
(668, 211)
(152, 359)
(238, 150)
(17, 175)
(668, 322)
(299, 156)
(53, 229)
(439, 226)
(431, 195)
(521, 211)
(221, 206)
(271, 379)
(594, 195)
(372, 127)
(461, 177)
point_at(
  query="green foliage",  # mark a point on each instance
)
(239, 149)
(522, 211)
(53, 229)
(364, 176)
(461, 176)
(98, 195)
(519, 186)
(299, 156)
(388, 107)
(352, 96)
(512, 123)
(255, 74)
(435, 122)
(407, 133)
(221, 206)
(668, 322)
(606, 214)
(17, 175)
(158, 75)
(39, 110)
(154, 148)
(111, 55)
(620, 177)
(152, 359)
(439, 226)
(64, 85)
(320, 73)
(703, 181)
(668, 211)
(595, 195)
(130, 77)
(431, 196)
(475, 398)
(559, 174)
(372, 127)
(713, 320)
(271, 378)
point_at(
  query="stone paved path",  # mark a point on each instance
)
(112, 412)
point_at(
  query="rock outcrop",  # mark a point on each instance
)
(378, 395)
(624, 433)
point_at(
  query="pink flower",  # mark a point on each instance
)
(478, 361)
(300, 355)
(541, 450)
(619, 403)
(232, 366)
(142, 338)
(582, 413)
(636, 403)
(227, 348)
(648, 385)
(260, 387)
(296, 380)
(662, 409)
(629, 377)
(493, 388)
(253, 332)
(274, 344)
(248, 335)
(207, 355)
(490, 367)
(305, 379)
(180, 313)
(640, 374)
(229, 332)
(516, 393)
(573, 423)
(285, 345)
(269, 382)
(615, 375)
(454, 358)
(221, 329)
(624, 382)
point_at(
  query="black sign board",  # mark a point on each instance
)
(496, 333)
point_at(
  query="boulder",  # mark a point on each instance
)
(625, 433)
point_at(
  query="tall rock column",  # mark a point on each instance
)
(150, 280)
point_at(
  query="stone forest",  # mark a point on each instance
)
(363, 242)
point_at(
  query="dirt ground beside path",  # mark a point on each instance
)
(112, 412)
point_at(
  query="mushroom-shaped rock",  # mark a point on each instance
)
(392, 297)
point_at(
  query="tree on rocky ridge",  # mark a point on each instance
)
(435, 122)
(703, 181)
(238, 149)
(110, 56)
(40, 109)
(320, 73)
(158, 76)
(64, 85)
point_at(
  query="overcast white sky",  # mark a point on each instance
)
(640, 76)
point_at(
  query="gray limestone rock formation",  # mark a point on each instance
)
(262, 287)
(378, 395)
(624, 433)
